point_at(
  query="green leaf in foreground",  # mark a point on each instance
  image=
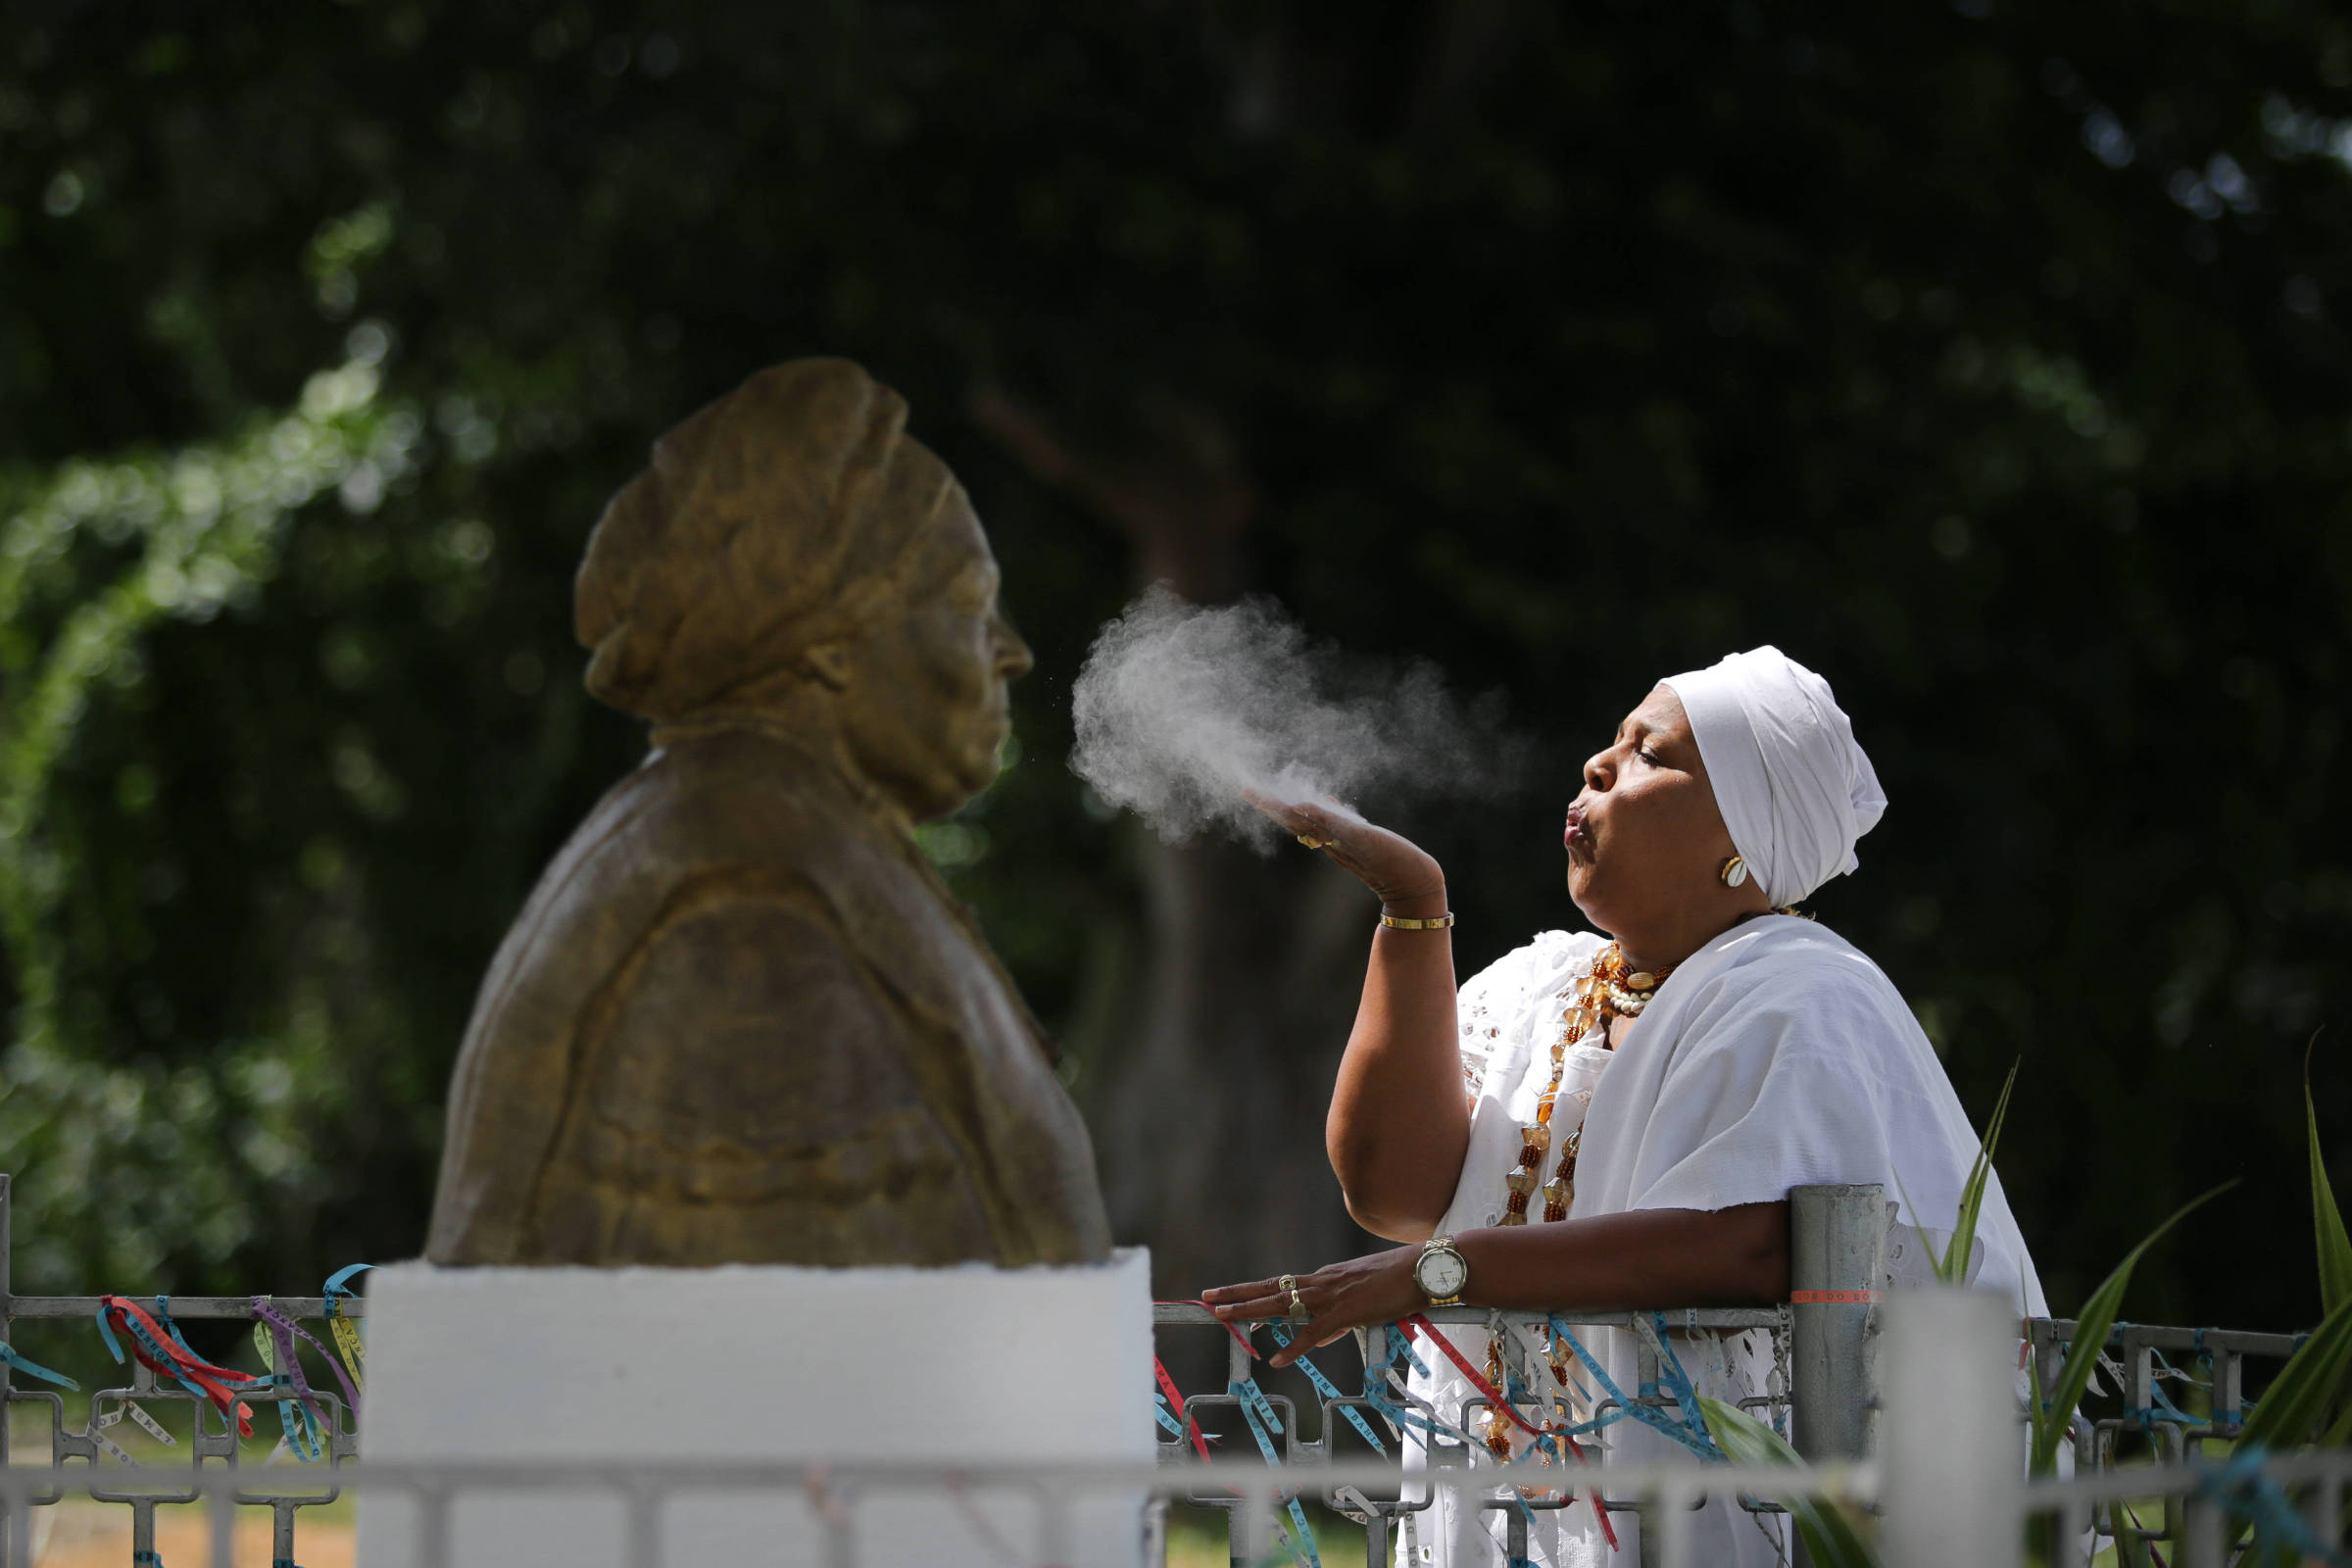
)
(2327, 1221)
(1952, 1266)
(2315, 1378)
(2052, 1416)
(1827, 1531)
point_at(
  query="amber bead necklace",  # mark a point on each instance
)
(1611, 990)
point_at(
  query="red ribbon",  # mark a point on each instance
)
(1420, 1323)
(184, 1363)
(1238, 1338)
(1167, 1386)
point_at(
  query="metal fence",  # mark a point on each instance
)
(1385, 1516)
(1932, 1459)
(282, 1491)
(1943, 1499)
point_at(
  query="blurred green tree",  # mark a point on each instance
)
(1991, 359)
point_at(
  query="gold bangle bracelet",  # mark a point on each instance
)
(1397, 922)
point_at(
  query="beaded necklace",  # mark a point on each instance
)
(1611, 990)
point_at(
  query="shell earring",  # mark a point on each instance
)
(1734, 872)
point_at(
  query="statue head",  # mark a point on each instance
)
(792, 555)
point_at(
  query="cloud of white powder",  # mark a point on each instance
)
(1180, 708)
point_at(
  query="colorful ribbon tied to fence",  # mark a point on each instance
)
(168, 1355)
(347, 1333)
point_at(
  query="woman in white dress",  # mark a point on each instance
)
(1616, 1122)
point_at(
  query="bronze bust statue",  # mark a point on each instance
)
(741, 1020)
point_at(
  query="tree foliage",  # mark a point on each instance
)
(1989, 360)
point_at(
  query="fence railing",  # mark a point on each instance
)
(851, 1504)
(1918, 1430)
(1946, 1498)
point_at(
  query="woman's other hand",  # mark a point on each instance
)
(1407, 877)
(1377, 1288)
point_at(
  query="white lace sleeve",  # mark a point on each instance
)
(1490, 1002)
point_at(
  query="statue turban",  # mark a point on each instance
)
(1793, 787)
(777, 517)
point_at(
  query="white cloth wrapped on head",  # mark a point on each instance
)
(1793, 787)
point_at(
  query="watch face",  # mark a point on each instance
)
(1441, 1273)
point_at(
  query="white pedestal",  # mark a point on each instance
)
(957, 1366)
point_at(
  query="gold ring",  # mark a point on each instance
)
(1313, 843)
(1298, 1311)
(1289, 1282)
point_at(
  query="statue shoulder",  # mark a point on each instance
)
(682, 830)
(686, 813)
(746, 998)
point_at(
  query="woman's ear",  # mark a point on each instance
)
(829, 662)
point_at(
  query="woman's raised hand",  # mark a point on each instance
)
(1407, 877)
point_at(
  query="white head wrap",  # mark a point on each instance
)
(1793, 787)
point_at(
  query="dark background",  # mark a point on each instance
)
(1989, 359)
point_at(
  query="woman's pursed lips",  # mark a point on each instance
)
(1574, 836)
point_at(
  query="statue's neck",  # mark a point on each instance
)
(805, 730)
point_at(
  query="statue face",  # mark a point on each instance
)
(926, 708)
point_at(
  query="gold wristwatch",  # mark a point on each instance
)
(1441, 1272)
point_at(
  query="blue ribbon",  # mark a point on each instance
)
(163, 1315)
(1263, 1421)
(2160, 1407)
(1699, 1444)
(1160, 1408)
(301, 1427)
(1401, 1342)
(33, 1369)
(1517, 1392)
(1324, 1387)
(1686, 1398)
(1408, 1422)
(336, 1288)
(2240, 1485)
(161, 1357)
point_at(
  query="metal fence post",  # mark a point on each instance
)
(2202, 1543)
(1837, 1266)
(1951, 1454)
